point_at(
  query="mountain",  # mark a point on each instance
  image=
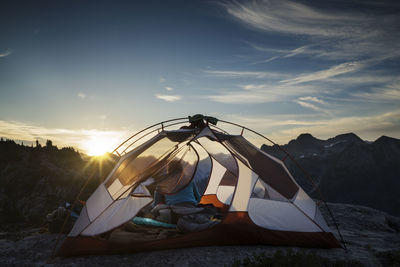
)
(347, 169)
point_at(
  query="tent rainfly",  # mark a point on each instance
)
(258, 198)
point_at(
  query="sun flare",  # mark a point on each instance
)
(98, 145)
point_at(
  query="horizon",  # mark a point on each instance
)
(91, 73)
(43, 142)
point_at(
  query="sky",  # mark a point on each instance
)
(77, 72)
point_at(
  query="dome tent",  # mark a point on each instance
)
(258, 198)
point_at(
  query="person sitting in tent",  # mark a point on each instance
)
(171, 173)
(189, 196)
(182, 207)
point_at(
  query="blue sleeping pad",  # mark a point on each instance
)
(151, 222)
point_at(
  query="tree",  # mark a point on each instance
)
(38, 144)
(49, 144)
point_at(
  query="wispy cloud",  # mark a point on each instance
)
(297, 51)
(313, 103)
(363, 78)
(162, 80)
(357, 43)
(327, 73)
(6, 53)
(244, 74)
(310, 106)
(240, 97)
(295, 18)
(262, 93)
(342, 34)
(313, 99)
(169, 88)
(169, 98)
(389, 92)
(280, 53)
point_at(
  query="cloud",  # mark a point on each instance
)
(262, 93)
(169, 98)
(358, 43)
(169, 88)
(267, 49)
(327, 73)
(297, 51)
(240, 97)
(313, 99)
(363, 78)
(297, 18)
(60, 137)
(162, 80)
(310, 106)
(282, 53)
(244, 74)
(313, 103)
(6, 53)
(390, 92)
(81, 95)
(283, 128)
(331, 32)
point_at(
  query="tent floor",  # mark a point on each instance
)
(235, 229)
(131, 232)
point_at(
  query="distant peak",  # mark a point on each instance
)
(305, 137)
(348, 137)
(385, 139)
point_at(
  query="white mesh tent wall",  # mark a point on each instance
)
(260, 201)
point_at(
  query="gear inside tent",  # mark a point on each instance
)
(244, 195)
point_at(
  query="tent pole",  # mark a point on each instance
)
(146, 130)
(155, 130)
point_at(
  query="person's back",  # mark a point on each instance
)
(188, 195)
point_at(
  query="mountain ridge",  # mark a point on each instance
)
(347, 168)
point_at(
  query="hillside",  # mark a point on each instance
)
(348, 169)
(36, 180)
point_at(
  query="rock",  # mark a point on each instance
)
(371, 236)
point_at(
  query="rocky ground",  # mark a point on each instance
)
(373, 239)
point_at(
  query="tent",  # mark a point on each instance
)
(259, 200)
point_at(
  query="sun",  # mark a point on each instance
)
(98, 145)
